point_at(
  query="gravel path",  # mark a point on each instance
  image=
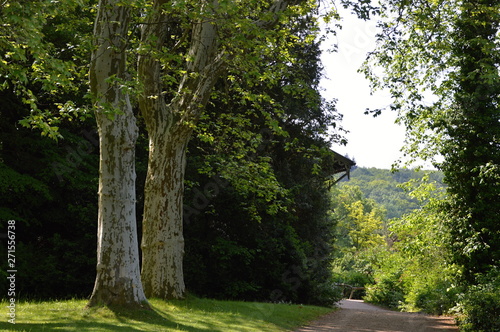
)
(357, 316)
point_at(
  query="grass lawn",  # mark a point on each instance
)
(192, 314)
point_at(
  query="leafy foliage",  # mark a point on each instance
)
(44, 59)
(420, 240)
(450, 50)
(47, 188)
(264, 232)
(479, 306)
(472, 164)
(388, 290)
(360, 236)
(411, 269)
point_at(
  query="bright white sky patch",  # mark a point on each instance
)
(373, 142)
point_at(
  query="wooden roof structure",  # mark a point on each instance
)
(341, 165)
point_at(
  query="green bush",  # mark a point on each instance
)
(327, 293)
(352, 278)
(479, 308)
(388, 291)
(357, 279)
(436, 299)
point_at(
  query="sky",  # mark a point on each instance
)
(372, 142)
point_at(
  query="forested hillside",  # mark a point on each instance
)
(385, 187)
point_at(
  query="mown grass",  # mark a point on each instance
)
(192, 314)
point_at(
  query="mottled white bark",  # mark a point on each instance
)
(169, 127)
(163, 241)
(118, 281)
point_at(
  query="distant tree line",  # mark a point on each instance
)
(386, 187)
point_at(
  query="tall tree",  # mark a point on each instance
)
(169, 128)
(206, 36)
(472, 152)
(213, 34)
(118, 280)
(441, 63)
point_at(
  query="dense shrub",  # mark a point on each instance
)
(436, 299)
(479, 308)
(388, 290)
(231, 256)
(327, 293)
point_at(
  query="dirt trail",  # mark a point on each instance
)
(357, 316)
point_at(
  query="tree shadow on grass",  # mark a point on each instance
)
(74, 325)
(116, 319)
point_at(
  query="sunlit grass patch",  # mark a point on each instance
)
(192, 314)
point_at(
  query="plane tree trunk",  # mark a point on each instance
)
(118, 280)
(169, 126)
